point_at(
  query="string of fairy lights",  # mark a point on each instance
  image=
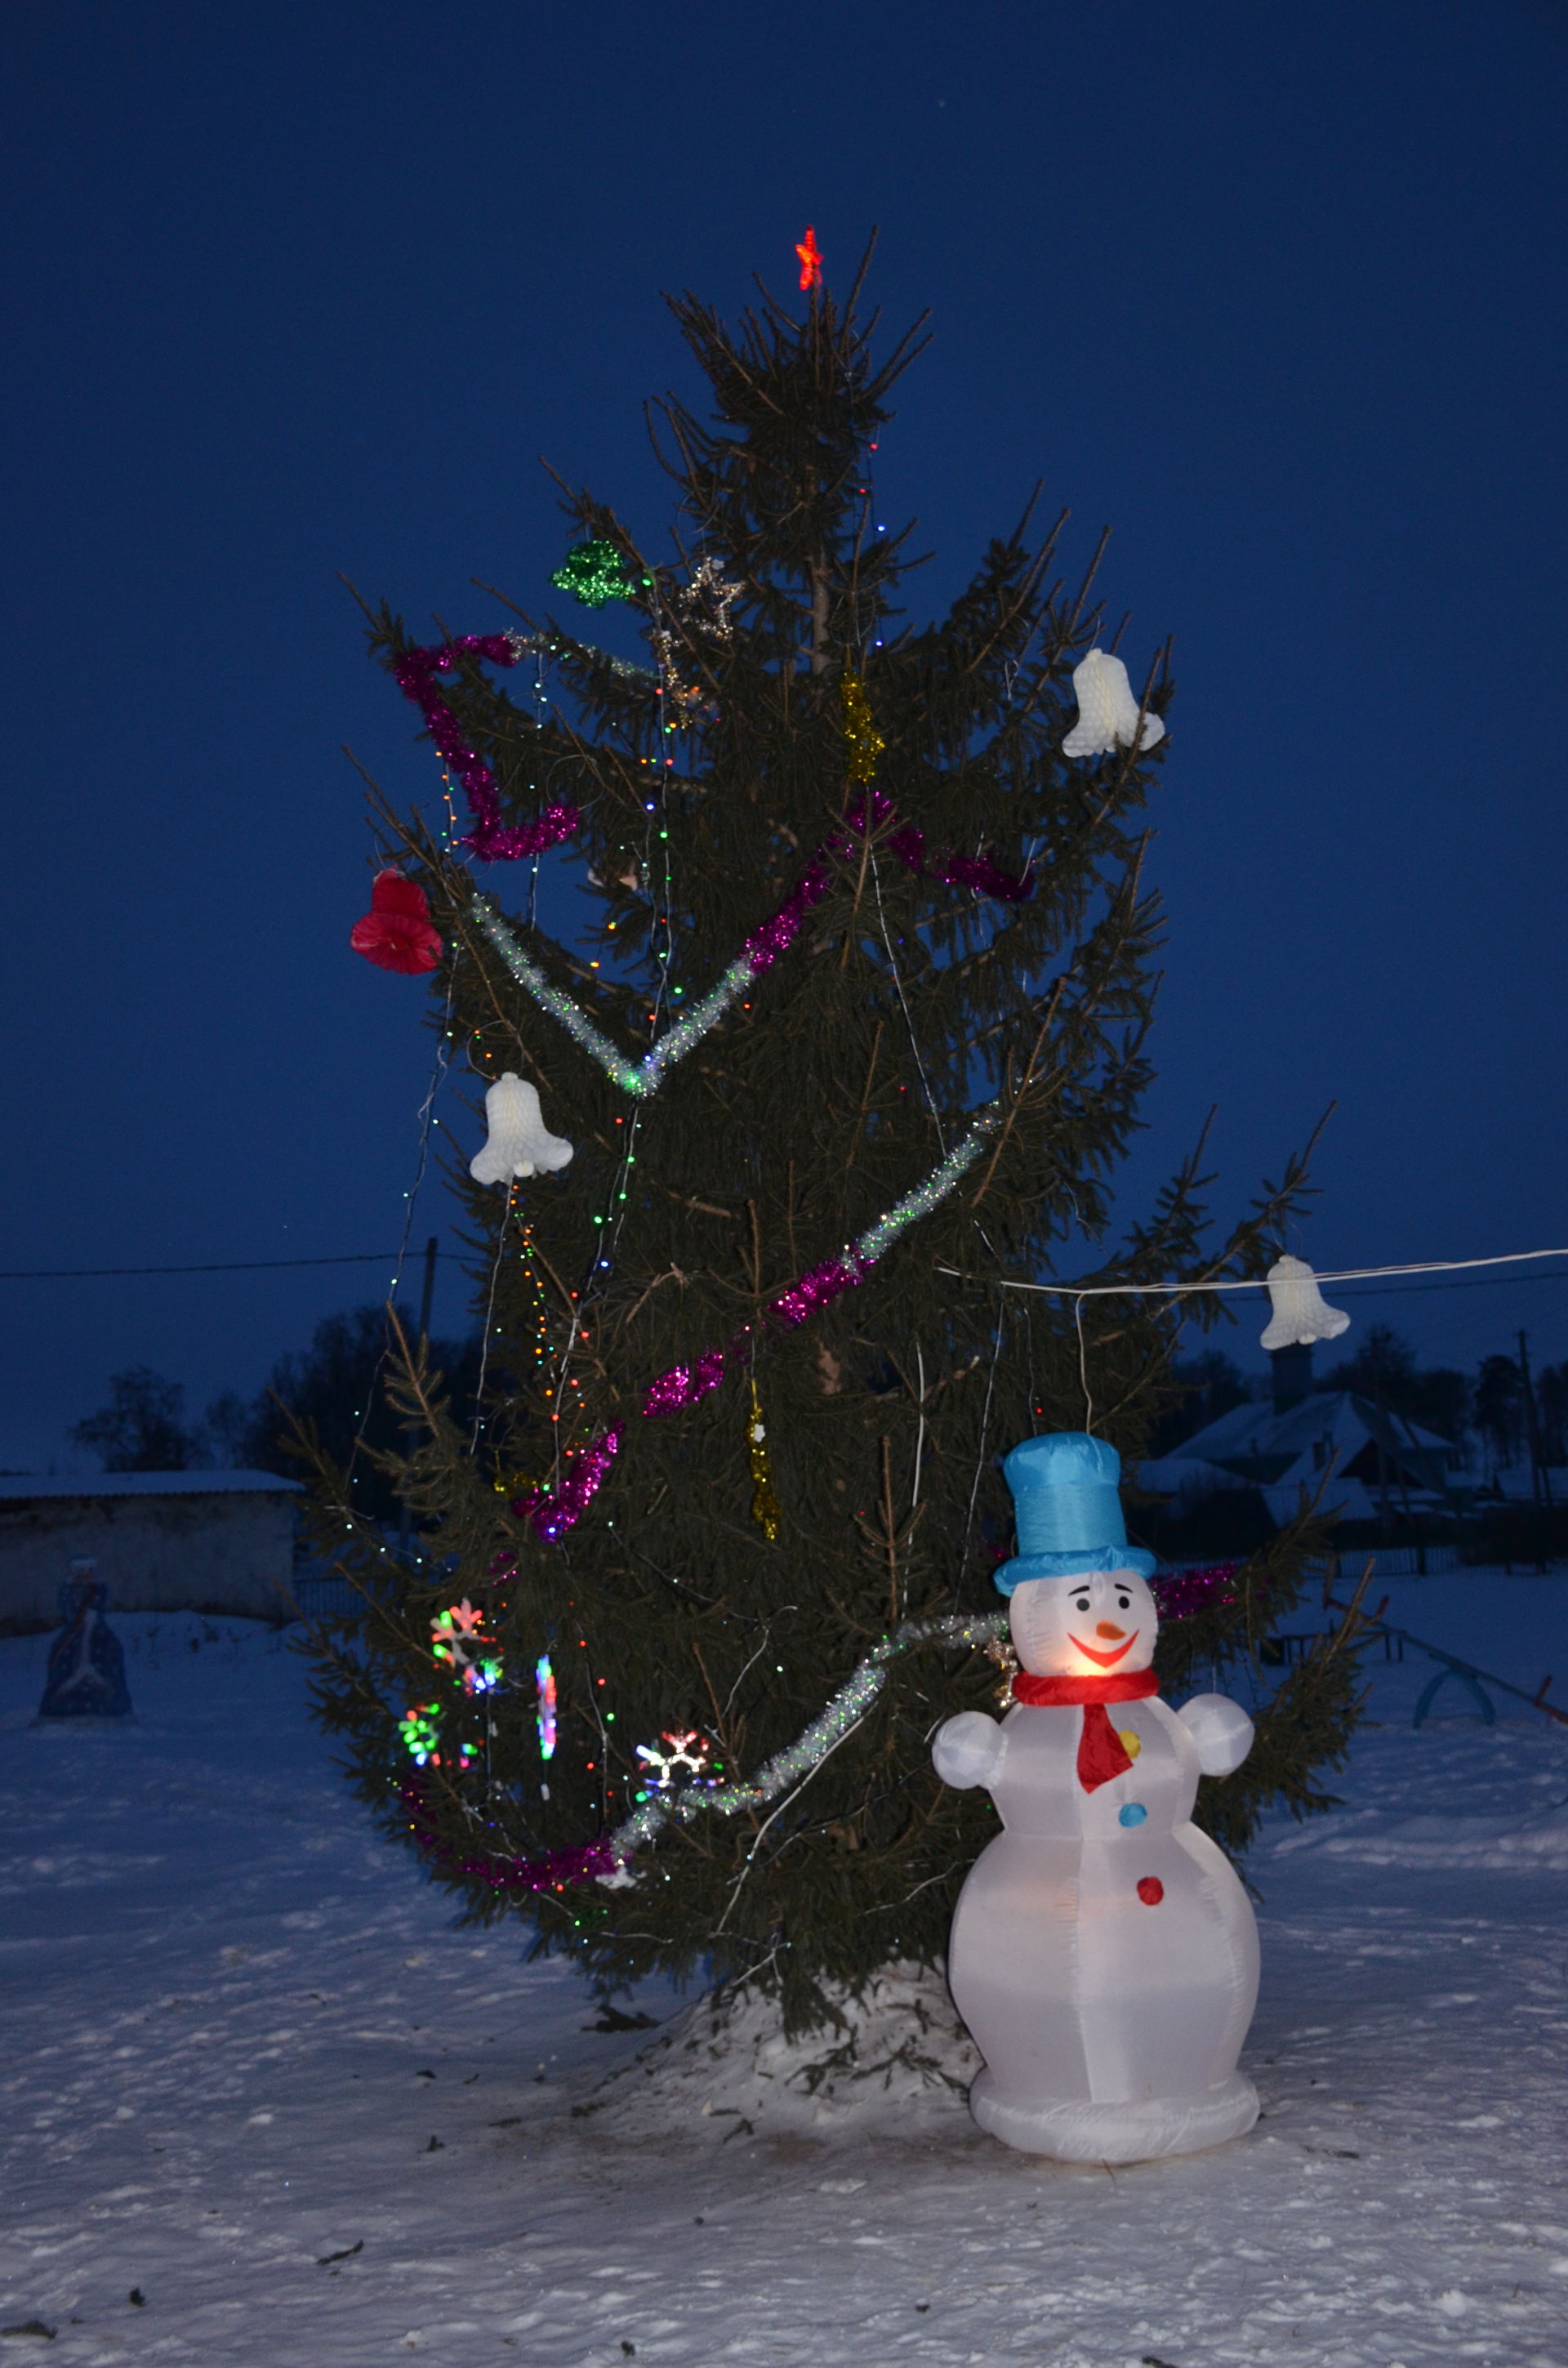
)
(577, 1469)
(595, 573)
(676, 1777)
(602, 576)
(556, 1505)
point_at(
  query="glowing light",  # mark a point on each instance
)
(811, 259)
(421, 1734)
(544, 1684)
(457, 1635)
(419, 1731)
(686, 1754)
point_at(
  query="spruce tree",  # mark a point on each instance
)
(737, 1433)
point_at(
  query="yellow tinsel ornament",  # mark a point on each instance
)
(866, 743)
(1000, 1650)
(764, 1507)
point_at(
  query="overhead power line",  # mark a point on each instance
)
(1452, 1281)
(226, 1266)
(1457, 1272)
(1455, 1282)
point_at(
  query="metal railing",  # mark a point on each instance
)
(328, 1597)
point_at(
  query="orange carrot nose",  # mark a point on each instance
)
(1109, 1628)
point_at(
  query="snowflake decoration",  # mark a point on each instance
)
(457, 1635)
(458, 1638)
(686, 1755)
(419, 1732)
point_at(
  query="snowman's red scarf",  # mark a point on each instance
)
(1101, 1754)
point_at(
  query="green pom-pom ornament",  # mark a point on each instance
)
(594, 573)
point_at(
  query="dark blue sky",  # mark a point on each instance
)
(1276, 292)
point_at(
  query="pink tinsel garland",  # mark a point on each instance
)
(553, 1871)
(416, 674)
(555, 1510)
(683, 1386)
(1180, 1592)
(976, 871)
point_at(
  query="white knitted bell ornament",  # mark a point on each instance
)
(1300, 1314)
(1107, 712)
(519, 1142)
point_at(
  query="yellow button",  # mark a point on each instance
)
(1130, 1741)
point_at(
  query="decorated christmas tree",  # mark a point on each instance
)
(854, 1045)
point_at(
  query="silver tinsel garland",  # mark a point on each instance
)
(844, 1712)
(637, 1078)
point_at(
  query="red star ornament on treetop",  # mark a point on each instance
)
(811, 259)
(396, 933)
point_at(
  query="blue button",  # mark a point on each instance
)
(1133, 1814)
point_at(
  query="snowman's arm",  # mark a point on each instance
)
(1222, 1731)
(968, 1750)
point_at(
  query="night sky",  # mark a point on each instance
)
(1276, 292)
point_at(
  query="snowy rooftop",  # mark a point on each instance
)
(1336, 1436)
(1256, 1429)
(16, 1485)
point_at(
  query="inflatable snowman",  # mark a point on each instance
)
(1103, 1954)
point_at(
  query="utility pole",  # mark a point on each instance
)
(429, 1292)
(427, 1295)
(1540, 1487)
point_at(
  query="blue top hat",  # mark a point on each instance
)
(1065, 1487)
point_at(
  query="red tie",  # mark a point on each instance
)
(1101, 1754)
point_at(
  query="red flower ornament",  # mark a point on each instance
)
(396, 933)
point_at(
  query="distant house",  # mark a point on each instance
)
(1379, 1465)
(163, 1541)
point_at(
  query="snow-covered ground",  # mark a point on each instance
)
(265, 2108)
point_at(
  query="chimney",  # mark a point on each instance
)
(1293, 1374)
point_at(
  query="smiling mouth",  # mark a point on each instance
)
(1106, 1660)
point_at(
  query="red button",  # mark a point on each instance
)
(1150, 1891)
